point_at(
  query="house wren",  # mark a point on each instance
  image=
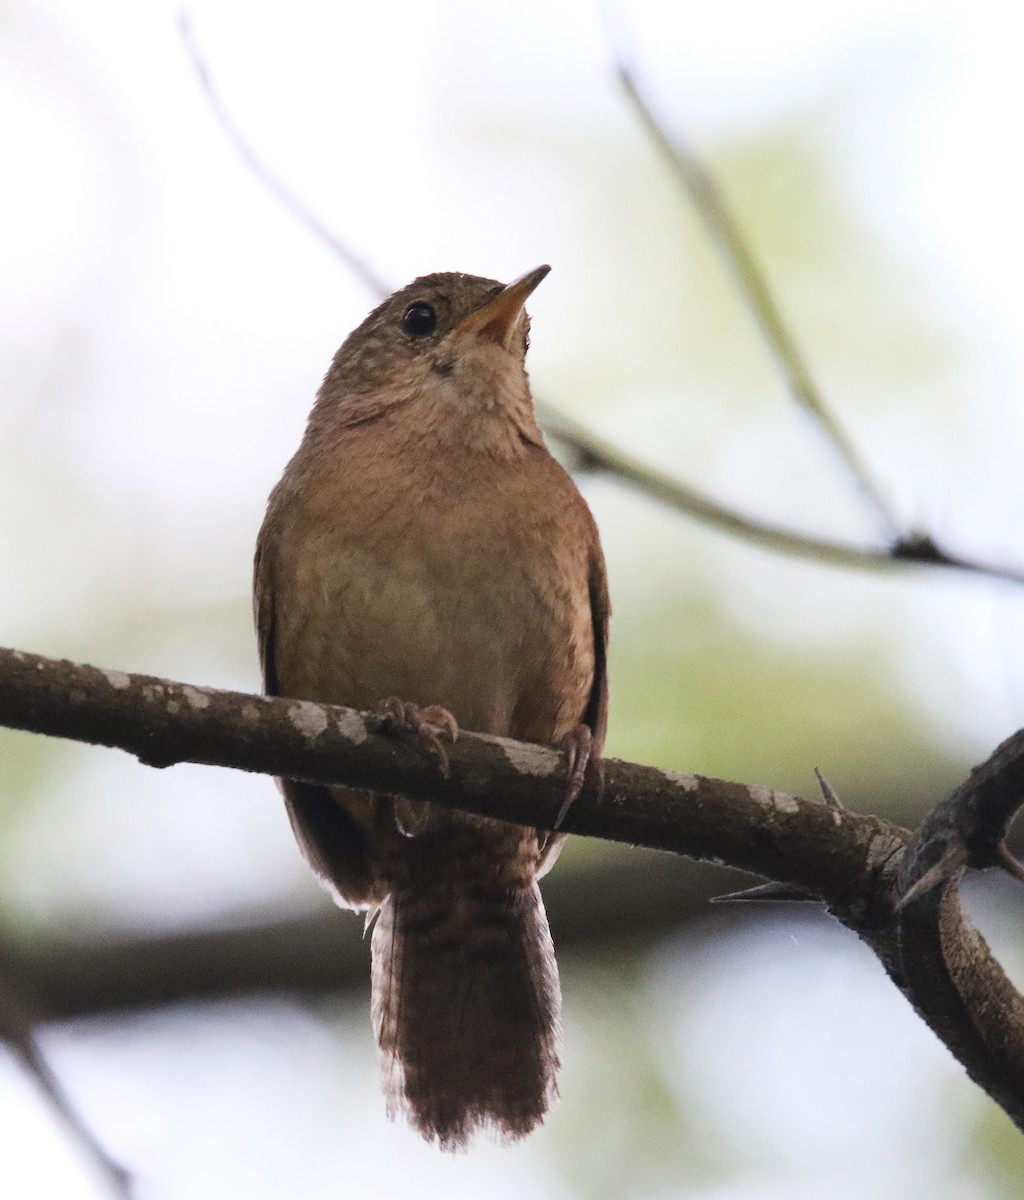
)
(423, 545)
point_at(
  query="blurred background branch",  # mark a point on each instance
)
(17, 1028)
(707, 200)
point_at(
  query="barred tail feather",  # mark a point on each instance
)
(465, 1008)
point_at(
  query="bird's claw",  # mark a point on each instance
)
(423, 727)
(578, 745)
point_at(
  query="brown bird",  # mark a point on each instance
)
(423, 549)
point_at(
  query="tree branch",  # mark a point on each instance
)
(725, 234)
(17, 1029)
(270, 180)
(633, 899)
(850, 861)
(595, 453)
(163, 722)
(946, 965)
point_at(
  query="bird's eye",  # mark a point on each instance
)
(419, 320)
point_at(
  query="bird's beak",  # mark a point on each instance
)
(497, 318)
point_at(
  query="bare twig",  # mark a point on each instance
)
(596, 453)
(850, 863)
(721, 226)
(273, 182)
(16, 1028)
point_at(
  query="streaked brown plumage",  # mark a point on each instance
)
(424, 544)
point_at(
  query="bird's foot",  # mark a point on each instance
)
(422, 727)
(578, 745)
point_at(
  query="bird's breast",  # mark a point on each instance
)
(471, 593)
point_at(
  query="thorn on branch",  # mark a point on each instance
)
(828, 793)
(968, 828)
(946, 870)
(768, 893)
(1009, 863)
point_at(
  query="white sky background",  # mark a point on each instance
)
(165, 324)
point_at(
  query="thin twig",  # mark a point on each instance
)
(273, 182)
(16, 1028)
(598, 454)
(721, 226)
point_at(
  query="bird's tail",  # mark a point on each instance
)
(465, 1007)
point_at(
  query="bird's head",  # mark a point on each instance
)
(446, 348)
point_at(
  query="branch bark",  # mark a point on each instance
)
(850, 861)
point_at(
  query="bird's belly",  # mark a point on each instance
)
(507, 649)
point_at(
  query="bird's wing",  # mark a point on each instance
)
(596, 714)
(331, 840)
(263, 612)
